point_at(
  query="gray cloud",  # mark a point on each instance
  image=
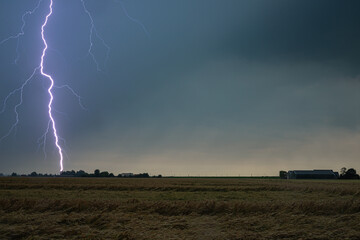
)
(220, 87)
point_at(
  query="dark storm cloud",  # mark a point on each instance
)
(218, 87)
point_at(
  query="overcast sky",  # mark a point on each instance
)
(203, 87)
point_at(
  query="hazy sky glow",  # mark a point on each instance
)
(217, 87)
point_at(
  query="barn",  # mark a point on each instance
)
(312, 174)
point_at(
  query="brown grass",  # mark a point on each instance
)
(78, 208)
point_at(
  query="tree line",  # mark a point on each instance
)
(348, 173)
(82, 173)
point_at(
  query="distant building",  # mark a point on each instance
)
(312, 174)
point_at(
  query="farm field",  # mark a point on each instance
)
(178, 208)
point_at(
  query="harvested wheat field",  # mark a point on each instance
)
(178, 208)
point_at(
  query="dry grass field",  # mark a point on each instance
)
(90, 208)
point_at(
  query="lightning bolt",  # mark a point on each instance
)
(51, 126)
(49, 77)
(73, 93)
(22, 31)
(132, 18)
(40, 70)
(93, 32)
(21, 90)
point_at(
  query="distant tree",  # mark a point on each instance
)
(71, 173)
(97, 173)
(349, 174)
(119, 175)
(342, 171)
(1, 174)
(81, 173)
(33, 174)
(283, 174)
(104, 174)
(159, 176)
(142, 175)
(14, 174)
(111, 175)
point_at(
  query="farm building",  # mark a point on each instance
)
(312, 174)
